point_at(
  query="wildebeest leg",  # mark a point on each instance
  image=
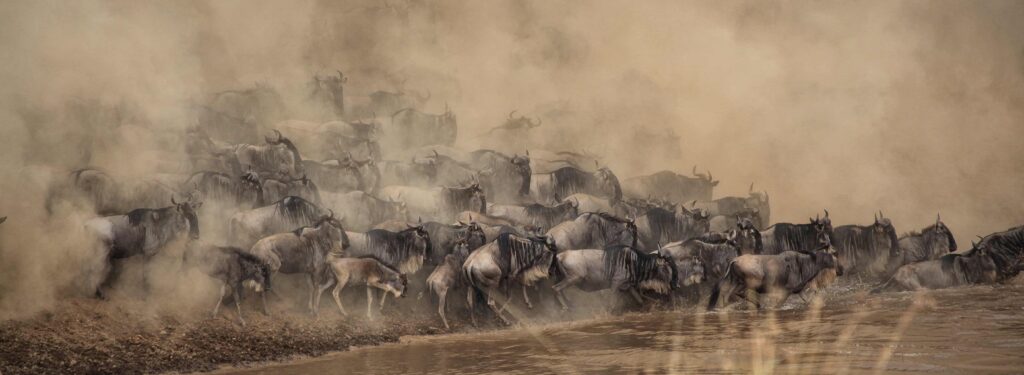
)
(472, 307)
(336, 293)
(494, 305)
(526, 298)
(312, 293)
(442, 297)
(560, 287)
(263, 298)
(109, 273)
(383, 297)
(220, 298)
(146, 261)
(369, 301)
(636, 296)
(238, 304)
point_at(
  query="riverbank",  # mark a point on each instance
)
(90, 336)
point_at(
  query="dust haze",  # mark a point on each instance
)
(913, 108)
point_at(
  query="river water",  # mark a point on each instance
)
(967, 330)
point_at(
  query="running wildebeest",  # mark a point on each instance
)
(722, 223)
(365, 210)
(866, 250)
(448, 276)
(412, 128)
(658, 226)
(405, 250)
(930, 243)
(536, 213)
(451, 171)
(1006, 249)
(278, 156)
(510, 258)
(570, 180)
(443, 238)
(977, 266)
(389, 102)
(672, 186)
(247, 227)
(779, 274)
(143, 231)
(368, 271)
(795, 237)
(509, 180)
(333, 139)
(304, 251)
(619, 268)
(236, 115)
(276, 189)
(233, 267)
(715, 257)
(594, 230)
(418, 172)
(242, 192)
(745, 235)
(440, 203)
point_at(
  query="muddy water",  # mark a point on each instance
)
(976, 329)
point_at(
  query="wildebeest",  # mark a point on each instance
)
(91, 187)
(745, 235)
(975, 267)
(594, 230)
(389, 102)
(516, 123)
(619, 268)
(569, 180)
(245, 191)
(365, 210)
(247, 227)
(930, 243)
(236, 115)
(303, 250)
(796, 237)
(779, 274)
(448, 276)
(333, 139)
(590, 203)
(420, 172)
(509, 178)
(143, 231)
(411, 128)
(866, 250)
(275, 189)
(233, 267)
(508, 259)
(340, 176)
(671, 186)
(658, 226)
(329, 91)
(367, 271)
(443, 238)
(755, 207)
(485, 219)
(405, 250)
(278, 156)
(715, 257)
(440, 203)
(536, 213)
(1006, 249)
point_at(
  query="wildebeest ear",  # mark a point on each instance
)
(419, 220)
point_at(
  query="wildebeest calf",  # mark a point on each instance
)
(367, 271)
(233, 267)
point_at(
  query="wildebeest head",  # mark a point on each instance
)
(331, 87)
(335, 230)
(426, 167)
(395, 209)
(188, 217)
(707, 177)
(822, 224)
(941, 237)
(884, 229)
(397, 285)
(759, 196)
(521, 122)
(420, 238)
(746, 236)
(977, 265)
(473, 235)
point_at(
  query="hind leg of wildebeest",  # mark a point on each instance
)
(336, 293)
(313, 288)
(220, 299)
(494, 304)
(470, 297)
(369, 301)
(560, 287)
(442, 299)
(107, 276)
(526, 298)
(238, 302)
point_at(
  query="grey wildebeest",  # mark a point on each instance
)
(364, 209)
(796, 237)
(619, 268)
(745, 235)
(277, 156)
(508, 259)
(866, 250)
(567, 181)
(247, 227)
(658, 226)
(950, 270)
(672, 186)
(714, 256)
(485, 219)
(275, 189)
(329, 92)
(303, 251)
(143, 231)
(340, 176)
(368, 271)
(389, 102)
(509, 180)
(536, 213)
(411, 128)
(417, 172)
(930, 243)
(590, 203)
(594, 230)
(244, 192)
(233, 267)
(780, 275)
(443, 238)
(440, 203)
(1006, 249)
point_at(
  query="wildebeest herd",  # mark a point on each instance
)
(392, 204)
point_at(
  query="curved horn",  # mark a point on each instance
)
(435, 154)
(826, 214)
(880, 214)
(279, 136)
(694, 171)
(710, 177)
(342, 77)
(938, 217)
(751, 190)
(172, 200)
(512, 113)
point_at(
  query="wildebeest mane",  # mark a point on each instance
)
(794, 236)
(570, 180)
(638, 265)
(516, 254)
(394, 248)
(297, 210)
(664, 222)
(1006, 250)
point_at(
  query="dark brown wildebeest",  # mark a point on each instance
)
(304, 251)
(563, 182)
(657, 226)
(866, 250)
(367, 271)
(783, 237)
(780, 274)
(509, 259)
(672, 186)
(233, 267)
(143, 231)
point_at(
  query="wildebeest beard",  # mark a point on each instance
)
(396, 249)
(517, 254)
(639, 267)
(295, 210)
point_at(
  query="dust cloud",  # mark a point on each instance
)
(910, 107)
